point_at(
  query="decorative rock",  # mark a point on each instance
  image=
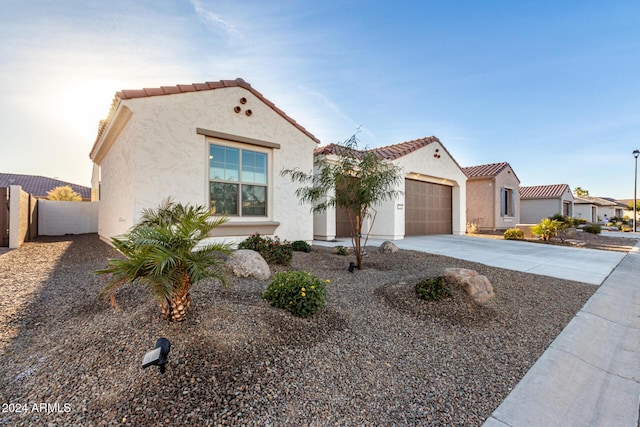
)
(248, 263)
(388, 247)
(477, 286)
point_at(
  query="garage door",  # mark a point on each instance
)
(428, 208)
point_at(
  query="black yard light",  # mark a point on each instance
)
(158, 356)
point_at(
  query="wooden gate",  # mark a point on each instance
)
(4, 216)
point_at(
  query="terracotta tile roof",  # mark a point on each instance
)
(335, 149)
(389, 152)
(543, 191)
(39, 186)
(185, 88)
(485, 171)
(392, 152)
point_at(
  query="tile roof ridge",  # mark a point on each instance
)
(127, 94)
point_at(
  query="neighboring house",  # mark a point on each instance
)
(594, 209)
(432, 199)
(620, 207)
(220, 144)
(626, 205)
(493, 196)
(39, 186)
(542, 201)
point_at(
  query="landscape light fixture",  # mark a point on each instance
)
(158, 356)
(636, 152)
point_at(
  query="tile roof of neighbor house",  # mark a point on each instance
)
(598, 201)
(487, 171)
(389, 152)
(543, 191)
(39, 186)
(619, 203)
(194, 87)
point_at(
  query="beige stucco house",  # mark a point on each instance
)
(596, 209)
(220, 144)
(543, 201)
(432, 199)
(493, 196)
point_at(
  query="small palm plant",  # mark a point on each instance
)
(164, 253)
(546, 228)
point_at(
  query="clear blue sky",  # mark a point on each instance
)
(552, 87)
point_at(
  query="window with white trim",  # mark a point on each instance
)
(237, 181)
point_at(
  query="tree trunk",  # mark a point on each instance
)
(357, 241)
(175, 308)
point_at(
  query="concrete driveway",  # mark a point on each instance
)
(579, 264)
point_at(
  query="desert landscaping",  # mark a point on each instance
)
(375, 355)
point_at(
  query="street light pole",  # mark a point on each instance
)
(635, 189)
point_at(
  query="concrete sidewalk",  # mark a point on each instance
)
(590, 374)
(579, 264)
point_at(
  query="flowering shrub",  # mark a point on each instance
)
(514, 234)
(434, 288)
(299, 292)
(272, 249)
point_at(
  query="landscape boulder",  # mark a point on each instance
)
(248, 263)
(388, 247)
(477, 286)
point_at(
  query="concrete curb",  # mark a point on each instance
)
(590, 374)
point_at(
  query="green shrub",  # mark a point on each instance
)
(341, 250)
(299, 292)
(592, 228)
(546, 228)
(434, 288)
(272, 249)
(514, 234)
(301, 246)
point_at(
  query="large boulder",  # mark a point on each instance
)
(477, 286)
(388, 247)
(248, 263)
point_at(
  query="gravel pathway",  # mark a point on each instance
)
(376, 355)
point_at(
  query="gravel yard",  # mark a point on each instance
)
(377, 355)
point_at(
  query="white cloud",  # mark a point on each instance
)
(215, 19)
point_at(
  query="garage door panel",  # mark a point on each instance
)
(428, 208)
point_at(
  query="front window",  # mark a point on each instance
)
(507, 200)
(237, 181)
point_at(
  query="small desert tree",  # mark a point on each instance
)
(165, 253)
(64, 193)
(357, 181)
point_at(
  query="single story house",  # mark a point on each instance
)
(543, 201)
(432, 195)
(595, 209)
(219, 144)
(39, 186)
(493, 196)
